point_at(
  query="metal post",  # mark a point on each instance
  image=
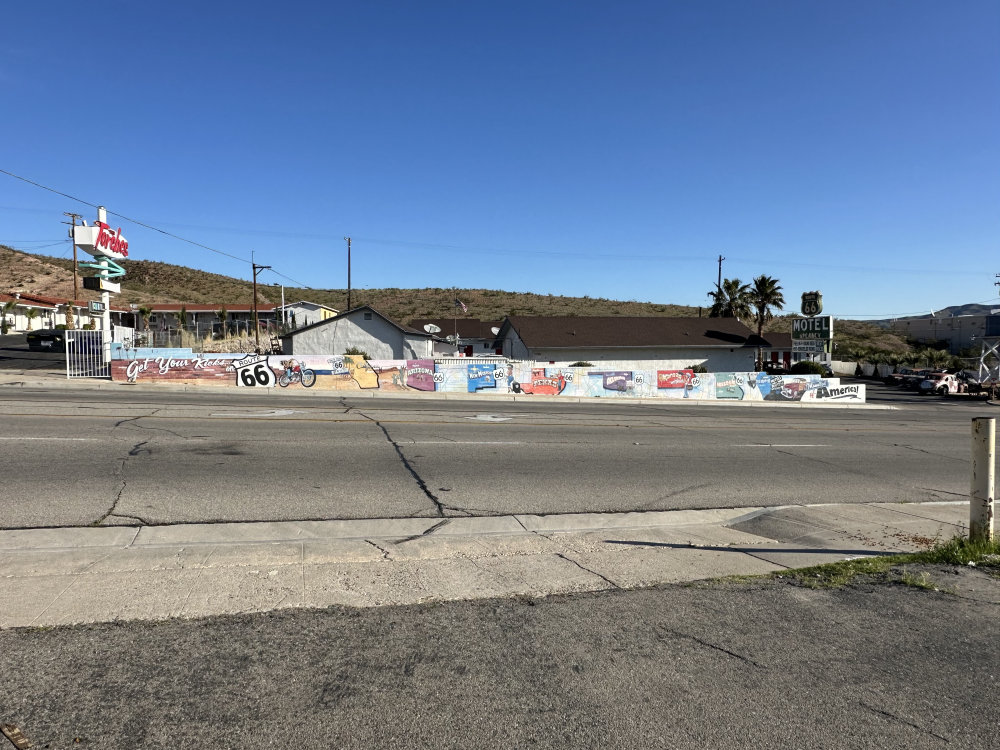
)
(348, 272)
(104, 273)
(982, 487)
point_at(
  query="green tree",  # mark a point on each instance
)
(182, 316)
(731, 300)
(763, 295)
(31, 313)
(223, 314)
(354, 351)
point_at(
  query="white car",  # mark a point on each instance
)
(942, 384)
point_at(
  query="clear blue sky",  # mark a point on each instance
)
(610, 149)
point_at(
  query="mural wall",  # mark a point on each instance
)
(347, 373)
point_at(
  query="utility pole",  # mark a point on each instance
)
(348, 272)
(72, 232)
(256, 326)
(718, 284)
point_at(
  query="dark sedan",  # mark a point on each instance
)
(47, 339)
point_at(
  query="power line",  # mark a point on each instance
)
(137, 222)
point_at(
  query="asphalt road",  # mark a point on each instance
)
(762, 665)
(723, 665)
(77, 457)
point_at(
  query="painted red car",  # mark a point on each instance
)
(542, 384)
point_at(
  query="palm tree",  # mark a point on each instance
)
(31, 313)
(7, 307)
(763, 295)
(731, 300)
(145, 313)
(222, 314)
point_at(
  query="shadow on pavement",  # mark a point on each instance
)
(755, 548)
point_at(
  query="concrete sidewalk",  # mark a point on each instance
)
(98, 574)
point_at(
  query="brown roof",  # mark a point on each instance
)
(29, 299)
(171, 307)
(779, 340)
(621, 331)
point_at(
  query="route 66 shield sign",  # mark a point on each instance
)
(812, 303)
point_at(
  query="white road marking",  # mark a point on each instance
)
(463, 442)
(780, 445)
(77, 440)
(489, 418)
(272, 413)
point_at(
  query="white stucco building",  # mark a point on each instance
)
(364, 329)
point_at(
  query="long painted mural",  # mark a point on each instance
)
(347, 373)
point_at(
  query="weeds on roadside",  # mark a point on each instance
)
(957, 551)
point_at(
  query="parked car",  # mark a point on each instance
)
(896, 378)
(46, 339)
(912, 382)
(942, 384)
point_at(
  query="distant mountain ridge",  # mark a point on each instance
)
(954, 311)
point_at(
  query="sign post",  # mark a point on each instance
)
(106, 246)
(982, 492)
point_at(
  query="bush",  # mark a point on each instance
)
(582, 364)
(697, 368)
(807, 367)
(354, 351)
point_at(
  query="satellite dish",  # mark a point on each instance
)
(495, 330)
(431, 328)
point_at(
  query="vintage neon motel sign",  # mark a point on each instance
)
(99, 240)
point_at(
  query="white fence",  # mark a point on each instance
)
(88, 354)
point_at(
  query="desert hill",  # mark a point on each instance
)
(152, 281)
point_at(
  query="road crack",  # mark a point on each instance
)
(383, 550)
(136, 450)
(427, 532)
(661, 631)
(903, 721)
(607, 580)
(439, 506)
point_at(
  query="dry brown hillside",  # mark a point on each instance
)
(151, 281)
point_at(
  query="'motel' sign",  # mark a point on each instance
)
(806, 329)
